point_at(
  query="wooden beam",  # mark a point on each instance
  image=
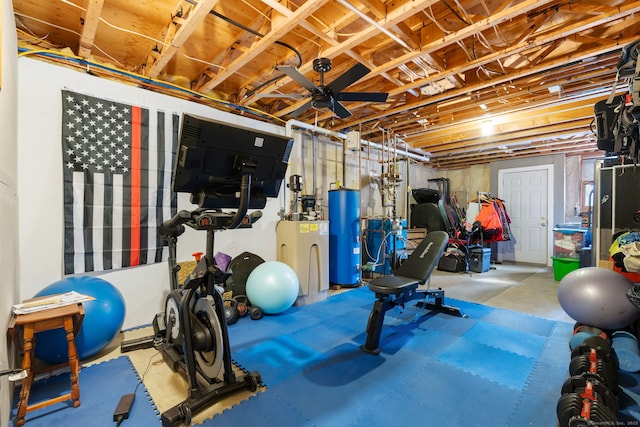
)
(327, 38)
(397, 15)
(566, 31)
(89, 27)
(177, 33)
(275, 34)
(407, 10)
(375, 7)
(581, 55)
(504, 124)
(517, 138)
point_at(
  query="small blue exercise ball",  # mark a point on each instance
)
(273, 286)
(103, 319)
(598, 297)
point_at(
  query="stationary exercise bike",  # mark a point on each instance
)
(222, 167)
(192, 331)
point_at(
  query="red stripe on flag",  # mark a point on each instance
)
(136, 146)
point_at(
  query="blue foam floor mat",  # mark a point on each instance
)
(101, 386)
(494, 368)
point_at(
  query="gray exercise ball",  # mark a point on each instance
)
(597, 297)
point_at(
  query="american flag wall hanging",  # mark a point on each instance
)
(118, 160)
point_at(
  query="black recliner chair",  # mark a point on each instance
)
(401, 287)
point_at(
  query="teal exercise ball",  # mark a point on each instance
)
(103, 319)
(597, 297)
(273, 286)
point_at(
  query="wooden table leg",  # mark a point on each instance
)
(74, 364)
(27, 361)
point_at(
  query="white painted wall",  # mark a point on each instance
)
(41, 193)
(8, 196)
(144, 288)
(40, 185)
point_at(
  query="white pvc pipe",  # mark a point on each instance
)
(291, 124)
(302, 125)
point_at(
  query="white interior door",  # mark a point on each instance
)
(526, 192)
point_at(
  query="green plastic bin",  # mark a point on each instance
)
(564, 266)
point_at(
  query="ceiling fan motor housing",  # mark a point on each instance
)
(321, 98)
(322, 65)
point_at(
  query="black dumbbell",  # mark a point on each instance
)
(242, 305)
(587, 385)
(255, 312)
(570, 413)
(230, 311)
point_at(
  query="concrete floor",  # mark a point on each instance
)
(525, 288)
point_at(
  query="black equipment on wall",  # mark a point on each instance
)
(617, 118)
(605, 114)
(617, 201)
(330, 95)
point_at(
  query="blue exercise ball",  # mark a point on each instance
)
(273, 286)
(598, 297)
(103, 319)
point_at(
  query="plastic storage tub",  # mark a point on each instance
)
(567, 242)
(564, 266)
(632, 276)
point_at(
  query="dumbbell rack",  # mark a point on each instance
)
(589, 395)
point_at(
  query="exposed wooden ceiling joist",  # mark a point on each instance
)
(448, 67)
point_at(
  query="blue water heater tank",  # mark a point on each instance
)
(344, 237)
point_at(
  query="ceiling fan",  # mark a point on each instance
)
(330, 95)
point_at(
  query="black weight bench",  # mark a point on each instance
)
(401, 287)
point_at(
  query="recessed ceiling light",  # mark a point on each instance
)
(483, 106)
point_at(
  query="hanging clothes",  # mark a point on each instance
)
(493, 217)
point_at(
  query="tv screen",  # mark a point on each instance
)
(213, 156)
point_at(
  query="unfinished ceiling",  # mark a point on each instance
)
(469, 81)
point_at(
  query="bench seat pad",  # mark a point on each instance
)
(388, 285)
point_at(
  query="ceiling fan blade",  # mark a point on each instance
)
(295, 75)
(351, 76)
(361, 96)
(281, 95)
(339, 109)
(301, 109)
